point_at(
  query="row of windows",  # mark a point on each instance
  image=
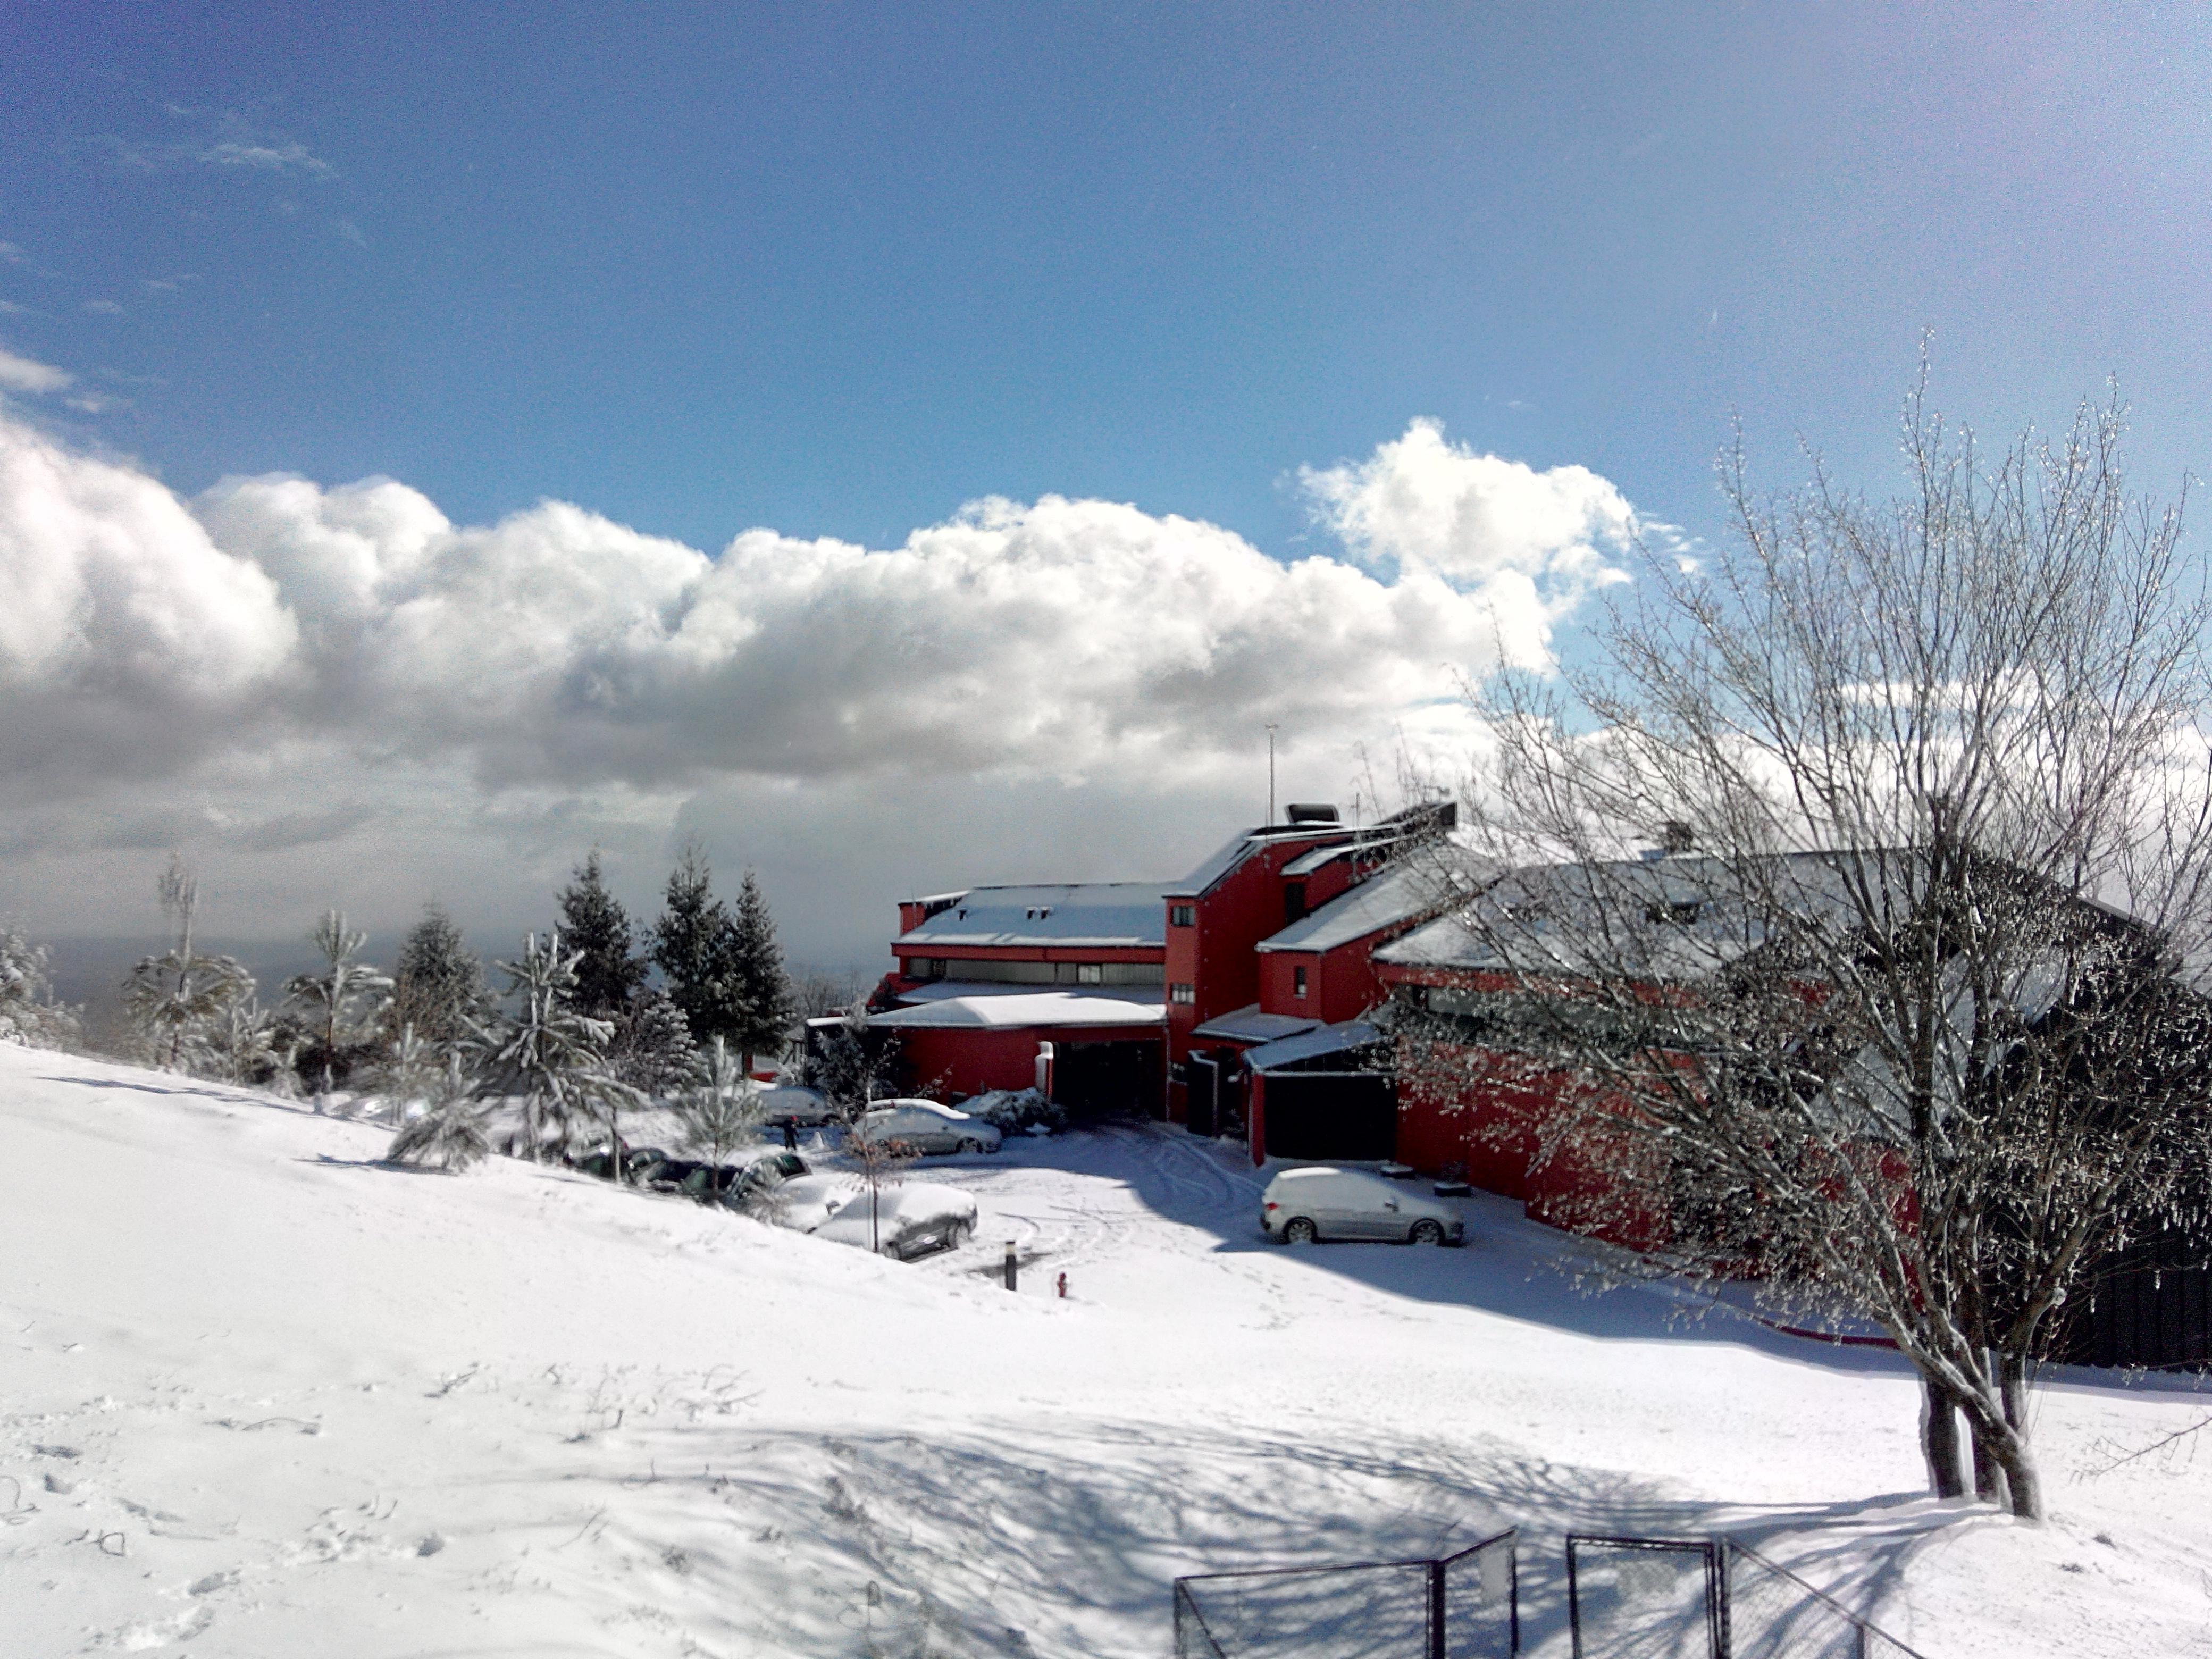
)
(1035, 972)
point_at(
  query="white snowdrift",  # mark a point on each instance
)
(261, 1394)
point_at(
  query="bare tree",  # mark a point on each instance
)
(1899, 1012)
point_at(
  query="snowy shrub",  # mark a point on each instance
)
(28, 1013)
(1012, 1110)
(451, 1132)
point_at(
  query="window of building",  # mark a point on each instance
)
(1183, 916)
(1294, 902)
(1297, 982)
(924, 967)
(1182, 993)
(1090, 973)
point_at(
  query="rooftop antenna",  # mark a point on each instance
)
(1271, 774)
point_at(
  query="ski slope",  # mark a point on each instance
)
(261, 1395)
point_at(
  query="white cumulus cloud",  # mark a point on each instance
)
(298, 664)
(1532, 543)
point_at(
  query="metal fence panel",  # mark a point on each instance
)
(1376, 1611)
(1775, 1614)
(1645, 1598)
(1481, 1598)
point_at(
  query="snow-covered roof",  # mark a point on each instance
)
(1351, 1035)
(1361, 841)
(1112, 914)
(1415, 887)
(952, 1006)
(1241, 846)
(1249, 1024)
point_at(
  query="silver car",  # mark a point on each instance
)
(927, 1127)
(1301, 1206)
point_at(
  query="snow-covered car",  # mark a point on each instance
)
(788, 1102)
(1301, 1206)
(911, 1218)
(926, 1126)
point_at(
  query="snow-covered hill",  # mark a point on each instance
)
(261, 1395)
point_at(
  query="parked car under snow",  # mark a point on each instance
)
(926, 1126)
(910, 1219)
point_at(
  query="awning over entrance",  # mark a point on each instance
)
(1249, 1024)
(1347, 1038)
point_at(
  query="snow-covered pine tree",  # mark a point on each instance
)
(762, 1004)
(339, 1000)
(438, 984)
(172, 999)
(694, 946)
(609, 970)
(247, 1044)
(546, 1053)
(718, 1114)
(28, 1013)
(451, 1132)
(653, 1051)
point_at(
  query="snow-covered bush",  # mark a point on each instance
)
(28, 1013)
(1010, 1111)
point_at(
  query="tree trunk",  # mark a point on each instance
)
(1938, 1441)
(1990, 1473)
(2022, 1478)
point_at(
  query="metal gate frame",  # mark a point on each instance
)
(1187, 1615)
(1711, 1550)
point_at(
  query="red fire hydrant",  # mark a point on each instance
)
(1063, 1286)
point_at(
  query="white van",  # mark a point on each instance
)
(1301, 1206)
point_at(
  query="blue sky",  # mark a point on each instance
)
(837, 269)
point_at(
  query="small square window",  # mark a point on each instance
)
(1183, 916)
(1090, 973)
(1297, 982)
(1182, 993)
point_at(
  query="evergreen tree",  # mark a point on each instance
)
(762, 1004)
(28, 1013)
(337, 999)
(175, 1000)
(440, 985)
(694, 946)
(719, 1115)
(653, 1050)
(609, 970)
(451, 1134)
(549, 1055)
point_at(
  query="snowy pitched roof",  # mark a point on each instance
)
(951, 1007)
(1399, 892)
(1342, 1039)
(1112, 914)
(1249, 1024)
(1242, 846)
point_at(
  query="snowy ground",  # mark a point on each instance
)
(260, 1395)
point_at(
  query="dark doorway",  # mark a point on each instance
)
(1352, 1115)
(1201, 1095)
(1106, 1079)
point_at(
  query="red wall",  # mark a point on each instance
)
(1215, 956)
(967, 1060)
(1341, 984)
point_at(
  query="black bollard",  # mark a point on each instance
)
(1011, 1271)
